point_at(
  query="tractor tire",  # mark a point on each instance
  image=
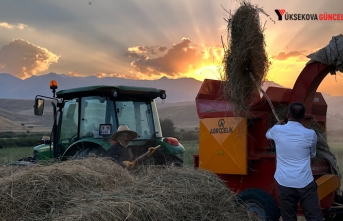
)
(162, 158)
(260, 203)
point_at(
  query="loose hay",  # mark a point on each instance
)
(163, 193)
(9, 171)
(245, 53)
(39, 192)
(98, 189)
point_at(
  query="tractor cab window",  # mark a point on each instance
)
(69, 119)
(138, 116)
(95, 110)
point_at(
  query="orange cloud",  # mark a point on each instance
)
(181, 58)
(23, 59)
(72, 74)
(104, 75)
(300, 55)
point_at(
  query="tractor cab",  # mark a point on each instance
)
(86, 117)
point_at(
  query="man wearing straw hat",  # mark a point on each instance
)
(120, 152)
(295, 145)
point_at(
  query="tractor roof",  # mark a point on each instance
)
(103, 90)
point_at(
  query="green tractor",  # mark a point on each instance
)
(86, 117)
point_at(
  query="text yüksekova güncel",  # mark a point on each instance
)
(324, 16)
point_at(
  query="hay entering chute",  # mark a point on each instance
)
(244, 54)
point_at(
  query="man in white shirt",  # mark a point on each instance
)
(295, 145)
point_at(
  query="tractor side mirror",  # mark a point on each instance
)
(39, 106)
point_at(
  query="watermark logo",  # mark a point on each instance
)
(280, 13)
(283, 15)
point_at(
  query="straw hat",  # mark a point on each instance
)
(124, 129)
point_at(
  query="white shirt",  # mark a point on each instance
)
(295, 145)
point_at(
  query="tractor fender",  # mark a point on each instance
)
(83, 148)
(259, 203)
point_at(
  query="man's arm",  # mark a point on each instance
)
(314, 145)
(148, 154)
(269, 134)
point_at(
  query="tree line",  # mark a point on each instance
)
(12, 139)
(169, 130)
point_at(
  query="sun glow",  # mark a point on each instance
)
(207, 72)
(285, 72)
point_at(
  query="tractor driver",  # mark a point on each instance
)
(295, 145)
(120, 152)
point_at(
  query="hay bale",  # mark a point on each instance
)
(113, 205)
(38, 193)
(163, 193)
(193, 194)
(99, 189)
(245, 53)
(7, 171)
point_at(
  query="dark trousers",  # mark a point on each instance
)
(308, 198)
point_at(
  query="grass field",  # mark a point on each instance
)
(192, 147)
(14, 153)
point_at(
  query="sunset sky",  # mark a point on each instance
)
(148, 39)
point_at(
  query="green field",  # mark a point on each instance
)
(8, 155)
(337, 149)
(14, 153)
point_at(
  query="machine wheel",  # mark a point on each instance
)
(260, 203)
(336, 217)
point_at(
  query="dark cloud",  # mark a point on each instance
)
(144, 51)
(180, 58)
(149, 50)
(133, 54)
(293, 54)
(23, 59)
(162, 49)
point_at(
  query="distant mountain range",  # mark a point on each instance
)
(178, 90)
(179, 105)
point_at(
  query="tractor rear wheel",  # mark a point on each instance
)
(260, 203)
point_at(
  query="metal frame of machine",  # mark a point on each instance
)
(236, 149)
